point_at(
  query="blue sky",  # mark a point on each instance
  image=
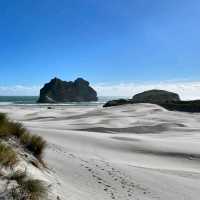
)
(104, 41)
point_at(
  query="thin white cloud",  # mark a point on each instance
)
(187, 90)
(19, 90)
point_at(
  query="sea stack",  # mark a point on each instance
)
(59, 91)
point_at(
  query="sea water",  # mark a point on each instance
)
(32, 100)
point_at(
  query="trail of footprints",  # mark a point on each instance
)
(121, 180)
(99, 169)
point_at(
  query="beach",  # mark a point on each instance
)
(130, 152)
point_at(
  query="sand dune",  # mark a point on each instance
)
(133, 152)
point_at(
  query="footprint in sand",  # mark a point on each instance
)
(116, 175)
(112, 196)
(99, 178)
(99, 182)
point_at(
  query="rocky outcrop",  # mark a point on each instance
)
(116, 102)
(184, 106)
(151, 96)
(58, 91)
(156, 96)
(169, 100)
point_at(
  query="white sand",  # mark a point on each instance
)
(133, 152)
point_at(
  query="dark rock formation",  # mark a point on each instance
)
(156, 96)
(151, 96)
(58, 91)
(184, 106)
(117, 102)
(170, 101)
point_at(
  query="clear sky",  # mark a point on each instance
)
(103, 41)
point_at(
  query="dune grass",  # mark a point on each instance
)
(8, 127)
(36, 145)
(25, 138)
(27, 188)
(8, 157)
(4, 128)
(16, 129)
(33, 143)
(17, 176)
(3, 118)
(33, 189)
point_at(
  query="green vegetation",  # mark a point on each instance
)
(3, 118)
(8, 157)
(25, 139)
(17, 176)
(8, 128)
(4, 125)
(33, 143)
(27, 188)
(16, 129)
(36, 145)
(32, 189)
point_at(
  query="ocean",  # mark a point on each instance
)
(32, 101)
